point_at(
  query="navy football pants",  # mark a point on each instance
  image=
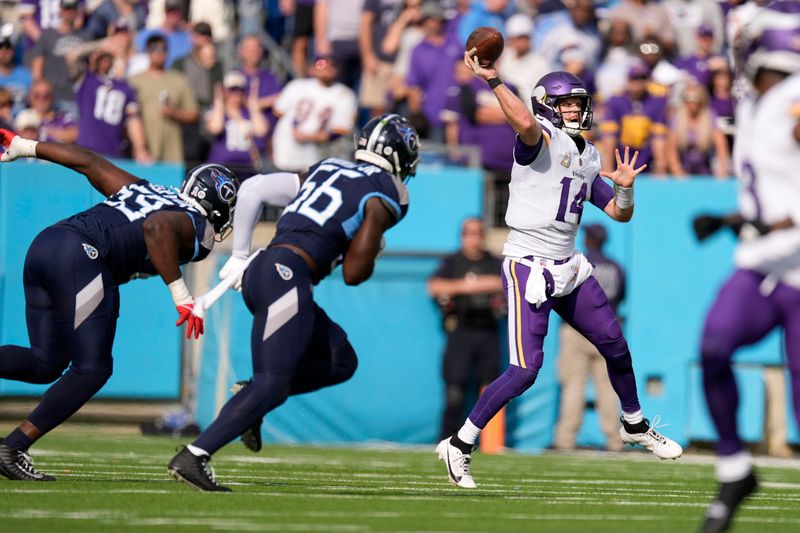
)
(296, 347)
(72, 305)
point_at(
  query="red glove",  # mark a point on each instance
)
(194, 323)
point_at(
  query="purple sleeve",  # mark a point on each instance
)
(602, 193)
(525, 154)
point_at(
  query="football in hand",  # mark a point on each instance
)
(486, 43)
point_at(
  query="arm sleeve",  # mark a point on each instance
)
(602, 193)
(276, 189)
(525, 154)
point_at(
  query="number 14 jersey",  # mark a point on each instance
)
(549, 185)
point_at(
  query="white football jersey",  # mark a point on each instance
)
(766, 159)
(309, 105)
(546, 198)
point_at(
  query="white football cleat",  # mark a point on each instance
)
(661, 446)
(458, 469)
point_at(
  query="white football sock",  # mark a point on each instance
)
(197, 452)
(633, 418)
(469, 432)
(734, 467)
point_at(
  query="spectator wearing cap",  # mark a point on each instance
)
(696, 146)
(237, 125)
(647, 18)
(578, 31)
(636, 119)
(204, 72)
(579, 360)
(166, 102)
(27, 124)
(251, 55)
(16, 78)
(377, 17)
(312, 112)
(687, 16)
(519, 64)
(492, 13)
(49, 54)
(54, 124)
(430, 73)
(619, 54)
(103, 20)
(696, 65)
(107, 110)
(179, 42)
(336, 35)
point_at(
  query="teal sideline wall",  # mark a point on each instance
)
(34, 195)
(396, 394)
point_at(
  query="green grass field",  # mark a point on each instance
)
(119, 483)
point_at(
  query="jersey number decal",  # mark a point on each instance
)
(312, 191)
(577, 202)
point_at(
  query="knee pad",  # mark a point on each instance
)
(614, 342)
(89, 380)
(47, 373)
(621, 363)
(519, 379)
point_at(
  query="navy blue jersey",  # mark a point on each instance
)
(114, 227)
(329, 208)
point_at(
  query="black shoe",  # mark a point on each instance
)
(18, 465)
(720, 513)
(194, 471)
(251, 438)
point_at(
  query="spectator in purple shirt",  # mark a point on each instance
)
(430, 73)
(107, 109)
(721, 91)
(55, 125)
(695, 145)
(696, 65)
(237, 125)
(636, 119)
(37, 16)
(473, 117)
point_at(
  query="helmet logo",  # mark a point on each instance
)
(224, 186)
(409, 136)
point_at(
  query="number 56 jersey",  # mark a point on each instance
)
(329, 208)
(549, 184)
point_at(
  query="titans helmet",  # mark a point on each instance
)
(212, 189)
(771, 40)
(554, 87)
(391, 143)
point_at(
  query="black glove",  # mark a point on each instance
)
(707, 225)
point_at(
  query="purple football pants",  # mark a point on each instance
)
(586, 309)
(742, 315)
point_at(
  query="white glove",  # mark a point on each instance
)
(15, 146)
(236, 264)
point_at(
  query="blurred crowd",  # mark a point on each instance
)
(263, 84)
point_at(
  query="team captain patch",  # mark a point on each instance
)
(284, 271)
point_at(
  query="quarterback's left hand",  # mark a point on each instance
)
(194, 323)
(626, 170)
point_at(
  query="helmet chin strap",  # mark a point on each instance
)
(375, 159)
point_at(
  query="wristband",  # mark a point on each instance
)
(180, 293)
(623, 196)
(24, 147)
(494, 83)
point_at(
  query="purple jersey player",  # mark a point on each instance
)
(555, 172)
(763, 293)
(338, 215)
(73, 271)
